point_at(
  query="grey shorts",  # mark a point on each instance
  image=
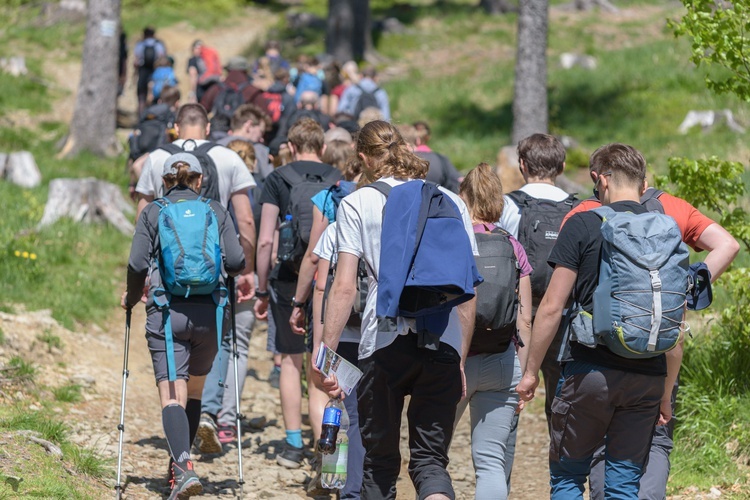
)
(287, 342)
(194, 333)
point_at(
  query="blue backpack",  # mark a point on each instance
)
(308, 81)
(190, 261)
(639, 302)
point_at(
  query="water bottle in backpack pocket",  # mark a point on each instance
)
(287, 240)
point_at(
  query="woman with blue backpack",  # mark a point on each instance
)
(497, 354)
(185, 245)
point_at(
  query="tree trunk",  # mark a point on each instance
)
(349, 30)
(340, 30)
(530, 113)
(95, 115)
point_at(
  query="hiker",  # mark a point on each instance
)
(308, 106)
(395, 360)
(203, 69)
(700, 233)
(163, 76)
(605, 394)
(541, 159)
(249, 123)
(364, 94)
(273, 54)
(308, 77)
(349, 75)
(193, 319)
(442, 171)
(147, 52)
(497, 354)
(279, 102)
(217, 425)
(234, 90)
(232, 182)
(286, 199)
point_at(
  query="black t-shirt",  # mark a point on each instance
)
(276, 191)
(441, 170)
(578, 248)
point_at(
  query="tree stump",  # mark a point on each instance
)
(20, 169)
(87, 200)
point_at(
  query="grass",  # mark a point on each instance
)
(21, 369)
(70, 393)
(2, 337)
(52, 341)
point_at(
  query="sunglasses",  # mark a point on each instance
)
(596, 185)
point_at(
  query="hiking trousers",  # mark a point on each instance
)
(491, 380)
(432, 379)
(594, 405)
(356, 458)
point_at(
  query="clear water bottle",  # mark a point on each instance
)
(333, 468)
(286, 239)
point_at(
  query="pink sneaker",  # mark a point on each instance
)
(227, 434)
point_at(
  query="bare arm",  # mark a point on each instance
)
(722, 249)
(674, 360)
(467, 313)
(310, 260)
(318, 292)
(268, 217)
(547, 321)
(523, 320)
(340, 298)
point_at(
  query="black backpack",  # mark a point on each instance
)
(366, 100)
(151, 131)
(229, 99)
(302, 187)
(497, 296)
(210, 185)
(149, 56)
(537, 232)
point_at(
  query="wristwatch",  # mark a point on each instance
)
(297, 304)
(262, 295)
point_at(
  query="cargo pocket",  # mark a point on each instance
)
(559, 424)
(582, 329)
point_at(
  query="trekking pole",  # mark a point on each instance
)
(121, 425)
(236, 355)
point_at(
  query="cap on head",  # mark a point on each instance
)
(237, 63)
(192, 162)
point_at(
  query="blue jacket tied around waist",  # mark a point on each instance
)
(427, 265)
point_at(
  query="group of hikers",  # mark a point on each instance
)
(338, 227)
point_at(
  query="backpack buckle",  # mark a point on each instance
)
(655, 280)
(162, 298)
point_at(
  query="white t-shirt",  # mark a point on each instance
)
(233, 173)
(512, 213)
(359, 224)
(326, 250)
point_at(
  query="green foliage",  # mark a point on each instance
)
(48, 428)
(21, 369)
(87, 461)
(2, 337)
(52, 341)
(70, 393)
(720, 37)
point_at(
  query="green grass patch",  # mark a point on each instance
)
(70, 393)
(2, 337)
(21, 369)
(52, 341)
(48, 428)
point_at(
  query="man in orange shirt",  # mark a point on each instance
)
(700, 233)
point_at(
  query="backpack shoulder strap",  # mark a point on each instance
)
(332, 177)
(290, 176)
(383, 187)
(170, 148)
(650, 200)
(603, 212)
(571, 200)
(519, 197)
(205, 147)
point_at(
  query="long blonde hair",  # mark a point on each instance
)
(482, 191)
(387, 154)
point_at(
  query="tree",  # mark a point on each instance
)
(94, 118)
(349, 30)
(530, 113)
(719, 31)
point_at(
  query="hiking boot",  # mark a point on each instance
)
(227, 434)
(290, 457)
(274, 376)
(209, 434)
(185, 482)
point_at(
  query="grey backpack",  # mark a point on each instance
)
(639, 302)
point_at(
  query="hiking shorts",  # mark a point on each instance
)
(194, 333)
(287, 342)
(144, 76)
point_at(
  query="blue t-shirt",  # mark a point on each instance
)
(326, 200)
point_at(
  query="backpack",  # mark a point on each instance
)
(162, 77)
(151, 131)
(302, 188)
(149, 56)
(213, 65)
(537, 232)
(210, 184)
(366, 100)
(639, 301)
(497, 296)
(308, 81)
(189, 261)
(274, 105)
(422, 232)
(229, 99)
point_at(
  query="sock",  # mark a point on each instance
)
(193, 412)
(177, 430)
(294, 438)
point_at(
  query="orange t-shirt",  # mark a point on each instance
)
(689, 219)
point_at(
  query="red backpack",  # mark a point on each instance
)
(274, 105)
(213, 64)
